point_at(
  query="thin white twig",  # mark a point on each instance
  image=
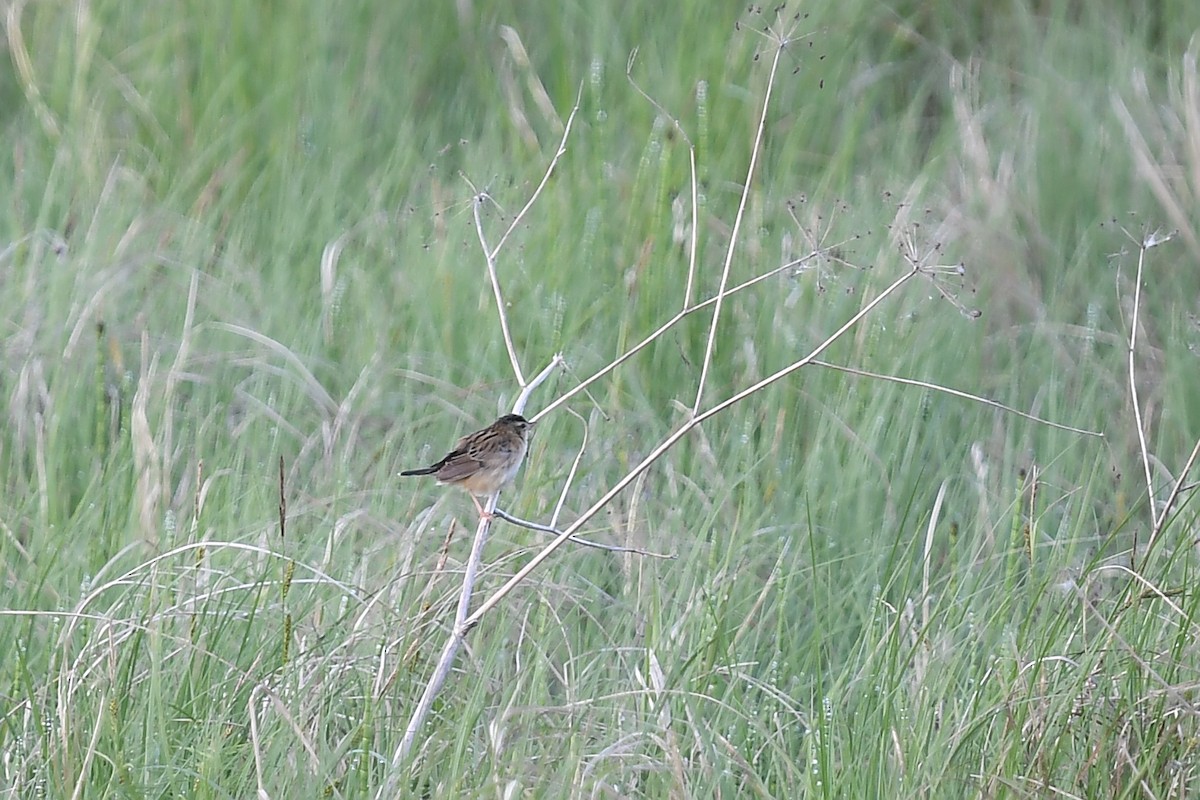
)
(464, 623)
(454, 640)
(562, 496)
(490, 253)
(1144, 243)
(555, 362)
(1137, 406)
(956, 393)
(497, 292)
(595, 403)
(612, 548)
(733, 236)
(562, 149)
(692, 245)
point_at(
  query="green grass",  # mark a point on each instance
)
(872, 596)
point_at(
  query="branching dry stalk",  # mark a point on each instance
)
(475, 560)
(670, 441)
(671, 323)
(465, 620)
(490, 256)
(490, 253)
(463, 623)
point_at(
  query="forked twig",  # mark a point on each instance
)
(666, 444)
(465, 620)
(454, 641)
(494, 279)
(490, 253)
(562, 149)
(463, 624)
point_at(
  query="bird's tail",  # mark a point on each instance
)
(423, 471)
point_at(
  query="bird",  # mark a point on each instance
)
(485, 461)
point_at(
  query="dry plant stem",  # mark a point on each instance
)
(691, 275)
(490, 256)
(464, 623)
(446, 660)
(1157, 520)
(1137, 404)
(612, 548)
(733, 236)
(692, 245)
(591, 399)
(527, 389)
(669, 442)
(455, 639)
(1170, 503)
(490, 253)
(1137, 407)
(562, 496)
(562, 149)
(956, 393)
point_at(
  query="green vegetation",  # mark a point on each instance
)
(238, 251)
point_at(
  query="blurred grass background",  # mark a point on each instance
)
(176, 173)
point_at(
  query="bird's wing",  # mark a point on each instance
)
(457, 465)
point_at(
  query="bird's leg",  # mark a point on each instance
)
(482, 513)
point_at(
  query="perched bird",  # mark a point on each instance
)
(484, 461)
